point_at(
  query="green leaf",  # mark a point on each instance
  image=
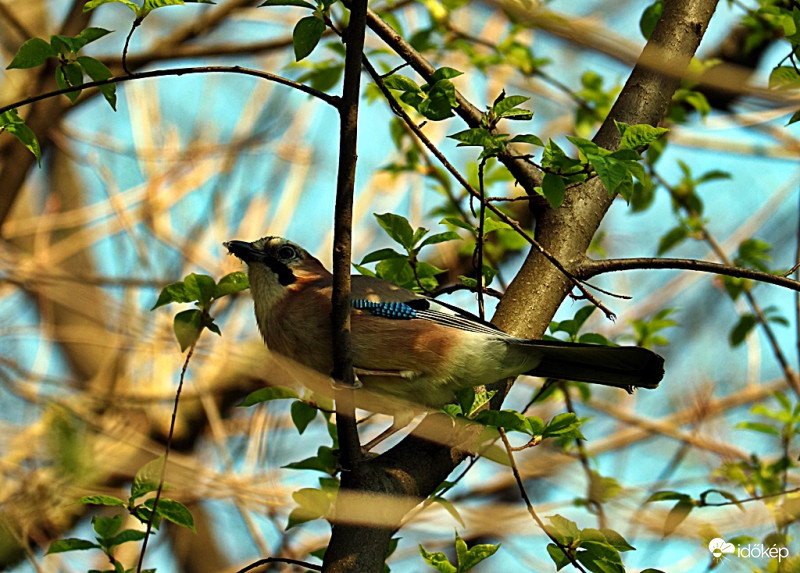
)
(650, 17)
(200, 288)
(88, 36)
(564, 530)
(325, 461)
(450, 508)
(147, 478)
(667, 495)
(638, 136)
(306, 36)
(124, 537)
(300, 3)
(437, 560)
(506, 419)
(398, 228)
(469, 558)
(173, 511)
(401, 83)
(440, 101)
(109, 500)
(558, 556)
(505, 103)
(380, 255)
(107, 526)
(314, 503)
(553, 188)
(477, 136)
(601, 488)
(71, 544)
(784, 78)
(440, 238)
(31, 54)
(302, 415)
(175, 292)
(13, 124)
(612, 172)
(600, 557)
(527, 138)
(676, 515)
(758, 427)
(92, 4)
(565, 425)
(615, 540)
(444, 73)
(187, 326)
(742, 329)
(267, 394)
(98, 71)
(672, 238)
(150, 5)
(234, 282)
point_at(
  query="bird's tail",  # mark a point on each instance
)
(618, 366)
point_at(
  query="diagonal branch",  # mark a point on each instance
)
(593, 267)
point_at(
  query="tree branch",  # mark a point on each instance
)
(593, 267)
(523, 171)
(327, 98)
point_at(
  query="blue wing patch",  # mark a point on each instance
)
(396, 310)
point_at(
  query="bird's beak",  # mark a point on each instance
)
(243, 250)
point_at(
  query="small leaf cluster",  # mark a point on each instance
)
(784, 420)
(753, 254)
(686, 199)
(203, 291)
(11, 122)
(572, 326)
(308, 30)
(405, 270)
(486, 136)
(107, 529)
(769, 21)
(647, 332)
(598, 550)
(565, 425)
(434, 100)
(71, 67)
(684, 505)
(490, 225)
(313, 503)
(467, 557)
(596, 102)
(617, 169)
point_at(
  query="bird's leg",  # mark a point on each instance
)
(407, 374)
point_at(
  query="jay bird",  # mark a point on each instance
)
(407, 345)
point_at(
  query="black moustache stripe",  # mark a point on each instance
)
(285, 274)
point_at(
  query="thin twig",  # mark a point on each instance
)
(529, 505)
(331, 100)
(480, 238)
(593, 267)
(592, 504)
(267, 560)
(167, 448)
(136, 22)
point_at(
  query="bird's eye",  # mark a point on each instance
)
(287, 252)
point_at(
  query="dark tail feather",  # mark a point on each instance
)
(617, 366)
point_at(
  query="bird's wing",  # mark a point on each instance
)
(384, 299)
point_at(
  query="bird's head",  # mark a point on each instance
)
(276, 266)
